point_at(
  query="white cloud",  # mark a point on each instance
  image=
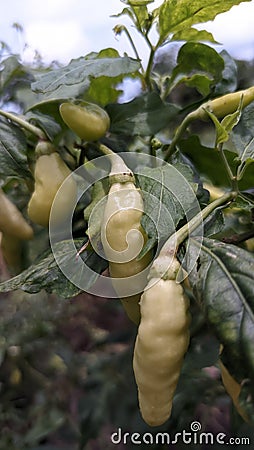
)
(61, 40)
(88, 12)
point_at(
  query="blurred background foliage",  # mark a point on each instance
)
(66, 379)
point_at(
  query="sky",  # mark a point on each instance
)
(65, 29)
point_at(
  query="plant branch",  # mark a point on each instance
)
(178, 134)
(240, 171)
(238, 238)
(149, 65)
(24, 124)
(232, 178)
(106, 150)
(179, 236)
(120, 172)
(133, 46)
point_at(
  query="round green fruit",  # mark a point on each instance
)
(87, 120)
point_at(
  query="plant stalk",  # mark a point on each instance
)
(172, 244)
(120, 172)
(24, 124)
(150, 63)
(133, 46)
(179, 132)
(232, 178)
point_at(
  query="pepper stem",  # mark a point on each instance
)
(120, 172)
(179, 132)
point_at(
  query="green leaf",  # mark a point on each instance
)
(144, 116)
(246, 125)
(246, 158)
(214, 223)
(176, 16)
(245, 201)
(46, 274)
(99, 190)
(15, 81)
(13, 147)
(103, 90)
(45, 122)
(229, 303)
(200, 82)
(221, 132)
(198, 65)
(192, 34)
(142, 17)
(80, 71)
(224, 128)
(99, 194)
(49, 107)
(243, 133)
(167, 199)
(229, 81)
(125, 12)
(231, 120)
(242, 140)
(238, 222)
(207, 161)
(139, 15)
(247, 155)
(10, 69)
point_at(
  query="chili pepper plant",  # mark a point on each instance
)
(102, 197)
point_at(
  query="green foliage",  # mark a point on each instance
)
(144, 115)
(66, 364)
(228, 83)
(13, 149)
(175, 17)
(168, 198)
(46, 274)
(224, 128)
(80, 71)
(13, 77)
(47, 123)
(229, 303)
(199, 66)
(208, 162)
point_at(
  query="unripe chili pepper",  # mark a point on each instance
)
(49, 174)
(226, 104)
(89, 121)
(12, 221)
(11, 248)
(123, 238)
(162, 341)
